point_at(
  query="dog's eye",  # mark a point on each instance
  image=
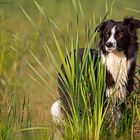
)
(107, 35)
(120, 34)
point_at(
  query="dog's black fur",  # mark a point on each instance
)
(126, 44)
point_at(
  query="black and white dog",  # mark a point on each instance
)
(118, 51)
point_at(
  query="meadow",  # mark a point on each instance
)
(35, 36)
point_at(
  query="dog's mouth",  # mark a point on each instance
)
(112, 49)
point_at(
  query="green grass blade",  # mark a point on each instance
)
(132, 10)
(30, 20)
(81, 10)
(42, 79)
(42, 66)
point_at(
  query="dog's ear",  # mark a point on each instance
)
(132, 23)
(100, 27)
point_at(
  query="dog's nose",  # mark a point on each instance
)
(109, 44)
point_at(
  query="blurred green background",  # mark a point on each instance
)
(17, 37)
(60, 11)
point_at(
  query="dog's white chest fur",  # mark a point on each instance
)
(118, 65)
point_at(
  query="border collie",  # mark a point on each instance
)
(118, 51)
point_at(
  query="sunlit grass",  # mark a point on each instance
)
(92, 124)
(17, 120)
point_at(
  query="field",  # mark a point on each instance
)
(28, 76)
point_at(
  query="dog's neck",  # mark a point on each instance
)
(118, 66)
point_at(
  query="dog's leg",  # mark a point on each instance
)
(118, 115)
(57, 118)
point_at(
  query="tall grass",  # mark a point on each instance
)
(16, 121)
(89, 124)
(15, 110)
(94, 122)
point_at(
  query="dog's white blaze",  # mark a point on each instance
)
(112, 38)
(118, 65)
(56, 112)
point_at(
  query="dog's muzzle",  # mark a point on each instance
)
(110, 46)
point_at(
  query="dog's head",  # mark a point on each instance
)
(116, 35)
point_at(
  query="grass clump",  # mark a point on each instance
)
(86, 100)
(79, 81)
(94, 121)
